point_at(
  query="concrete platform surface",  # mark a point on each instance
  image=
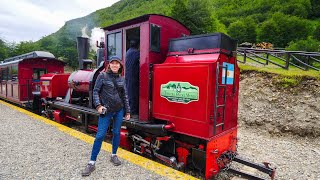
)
(33, 147)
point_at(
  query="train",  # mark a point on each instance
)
(188, 93)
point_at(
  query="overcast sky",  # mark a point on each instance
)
(24, 20)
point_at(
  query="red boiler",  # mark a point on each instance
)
(80, 80)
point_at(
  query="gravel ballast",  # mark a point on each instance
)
(294, 157)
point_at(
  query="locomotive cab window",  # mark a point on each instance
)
(37, 73)
(154, 38)
(114, 45)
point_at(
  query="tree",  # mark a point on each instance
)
(268, 32)
(25, 47)
(178, 10)
(299, 8)
(316, 33)
(3, 50)
(194, 14)
(315, 9)
(243, 30)
(282, 29)
(217, 26)
(11, 48)
(67, 51)
(309, 45)
(47, 43)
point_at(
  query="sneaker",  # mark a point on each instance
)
(88, 170)
(115, 161)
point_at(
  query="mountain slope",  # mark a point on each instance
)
(120, 11)
(293, 24)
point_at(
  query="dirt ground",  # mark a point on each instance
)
(266, 105)
(279, 125)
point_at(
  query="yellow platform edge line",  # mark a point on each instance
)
(145, 163)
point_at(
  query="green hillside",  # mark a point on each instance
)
(291, 24)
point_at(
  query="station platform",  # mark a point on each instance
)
(33, 147)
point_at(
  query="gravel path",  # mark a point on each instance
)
(295, 157)
(31, 149)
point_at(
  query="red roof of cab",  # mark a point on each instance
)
(136, 21)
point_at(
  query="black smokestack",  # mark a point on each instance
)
(83, 50)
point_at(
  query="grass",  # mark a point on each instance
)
(285, 78)
(293, 71)
(288, 82)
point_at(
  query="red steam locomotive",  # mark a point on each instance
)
(188, 96)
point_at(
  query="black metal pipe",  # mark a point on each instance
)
(83, 50)
(259, 167)
(156, 129)
(244, 175)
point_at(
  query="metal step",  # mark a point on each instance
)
(66, 106)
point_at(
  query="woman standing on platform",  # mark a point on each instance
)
(111, 100)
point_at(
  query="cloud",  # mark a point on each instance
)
(24, 20)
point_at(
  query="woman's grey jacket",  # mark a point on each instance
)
(107, 93)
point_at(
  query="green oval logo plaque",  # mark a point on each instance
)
(179, 92)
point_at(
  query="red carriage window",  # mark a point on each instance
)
(14, 72)
(9, 73)
(0, 74)
(42, 72)
(4, 73)
(37, 73)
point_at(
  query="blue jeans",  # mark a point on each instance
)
(103, 125)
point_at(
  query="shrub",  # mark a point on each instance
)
(310, 45)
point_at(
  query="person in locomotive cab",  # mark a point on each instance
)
(111, 100)
(132, 70)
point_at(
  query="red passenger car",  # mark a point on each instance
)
(20, 76)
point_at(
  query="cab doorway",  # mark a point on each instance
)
(132, 69)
